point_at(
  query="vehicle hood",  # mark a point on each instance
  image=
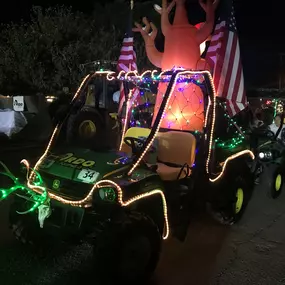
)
(76, 164)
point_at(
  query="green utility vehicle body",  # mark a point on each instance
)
(121, 199)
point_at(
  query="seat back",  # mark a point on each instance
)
(176, 147)
(134, 132)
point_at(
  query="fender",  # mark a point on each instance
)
(231, 163)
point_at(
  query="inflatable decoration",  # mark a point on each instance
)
(183, 42)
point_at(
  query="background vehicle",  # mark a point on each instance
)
(27, 125)
(129, 201)
(97, 113)
(271, 154)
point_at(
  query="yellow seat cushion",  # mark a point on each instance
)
(134, 132)
(173, 147)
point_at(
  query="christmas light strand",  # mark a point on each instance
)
(126, 118)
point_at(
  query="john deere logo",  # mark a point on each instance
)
(56, 184)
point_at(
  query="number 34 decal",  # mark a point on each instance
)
(88, 176)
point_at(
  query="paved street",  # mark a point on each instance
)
(252, 252)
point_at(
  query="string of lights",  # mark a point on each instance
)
(182, 81)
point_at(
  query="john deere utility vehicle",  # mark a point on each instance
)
(128, 201)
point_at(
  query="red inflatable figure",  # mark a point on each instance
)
(182, 49)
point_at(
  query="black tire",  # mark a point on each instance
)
(277, 182)
(257, 169)
(112, 261)
(21, 232)
(26, 229)
(235, 194)
(258, 173)
(75, 123)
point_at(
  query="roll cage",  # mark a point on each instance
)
(206, 146)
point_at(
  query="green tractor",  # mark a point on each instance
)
(95, 115)
(129, 201)
(271, 155)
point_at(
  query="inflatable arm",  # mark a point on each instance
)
(182, 48)
(204, 32)
(154, 56)
(164, 12)
(184, 42)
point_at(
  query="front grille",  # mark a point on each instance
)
(67, 188)
(66, 216)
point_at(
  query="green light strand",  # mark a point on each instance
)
(37, 199)
(234, 141)
(230, 143)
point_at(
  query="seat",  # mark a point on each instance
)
(174, 148)
(134, 132)
(178, 150)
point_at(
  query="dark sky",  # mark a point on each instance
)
(261, 27)
(257, 20)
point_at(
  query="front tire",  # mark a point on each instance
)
(25, 228)
(277, 183)
(127, 252)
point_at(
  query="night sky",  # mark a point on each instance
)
(261, 26)
(259, 21)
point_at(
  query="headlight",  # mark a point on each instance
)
(265, 155)
(107, 194)
(261, 155)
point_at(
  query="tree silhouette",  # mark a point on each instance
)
(44, 54)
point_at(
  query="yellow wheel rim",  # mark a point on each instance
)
(87, 129)
(278, 182)
(239, 201)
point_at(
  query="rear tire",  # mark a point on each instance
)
(127, 252)
(86, 127)
(235, 195)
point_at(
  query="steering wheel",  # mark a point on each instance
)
(263, 133)
(134, 143)
(269, 134)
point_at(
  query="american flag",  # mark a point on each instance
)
(223, 55)
(127, 62)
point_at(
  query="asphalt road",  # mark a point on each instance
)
(252, 252)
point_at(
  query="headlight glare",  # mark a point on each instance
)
(107, 194)
(267, 155)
